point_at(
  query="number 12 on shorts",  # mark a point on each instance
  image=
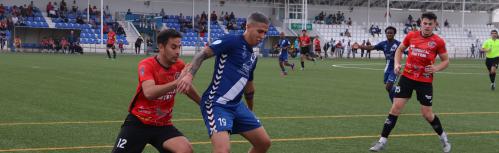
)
(222, 121)
(121, 143)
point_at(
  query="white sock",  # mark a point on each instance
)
(443, 136)
(383, 140)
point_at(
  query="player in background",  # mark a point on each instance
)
(283, 45)
(389, 46)
(111, 39)
(491, 48)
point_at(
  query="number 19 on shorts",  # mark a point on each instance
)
(222, 121)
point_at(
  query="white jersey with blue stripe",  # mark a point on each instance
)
(235, 63)
(389, 49)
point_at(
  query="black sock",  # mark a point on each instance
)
(389, 125)
(114, 54)
(302, 64)
(437, 126)
(108, 54)
(282, 68)
(492, 77)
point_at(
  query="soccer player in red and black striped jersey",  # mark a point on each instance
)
(150, 112)
(111, 39)
(424, 46)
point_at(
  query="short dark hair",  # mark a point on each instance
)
(493, 31)
(257, 17)
(390, 27)
(429, 16)
(165, 35)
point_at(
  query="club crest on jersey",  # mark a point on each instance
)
(432, 44)
(217, 42)
(142, 69)
(177, 74)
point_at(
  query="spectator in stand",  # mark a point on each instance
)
(106, 28)
(347, 33)
(349, 22)
(226, 17)
(372, 30)
(2, 11)
(79, 20)
(75, 7)
(63, 7)
(446, 23)
(213, 17)
(232, 16)
(128, 12)
(162, 13)
(49, 8)
(55, 11)
(121, 31)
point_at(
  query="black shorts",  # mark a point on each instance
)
(424, 91)
(305, 50)
(134, 136)
(489, 62)
(110, 46)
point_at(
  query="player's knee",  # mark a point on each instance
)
(264, 145)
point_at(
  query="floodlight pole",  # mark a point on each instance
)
(209, 22)
(462, 15)
(368, 12)
(88, 11)
(193, 14)
(387, 12)
(101, 22)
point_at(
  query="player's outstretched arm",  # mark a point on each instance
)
(249, 91)
(398, 58)
(364, 47)
(153, 91)
(193, 95)
(186, 81)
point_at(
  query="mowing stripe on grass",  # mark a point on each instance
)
(265, 118)
(376, 69)
(273, 140)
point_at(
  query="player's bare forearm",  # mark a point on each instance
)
(398, 53)
(198, 59)
(153, 91)
(249, 92)
(367, 47)
(185, 81)
(193, 95)
(444, 62)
